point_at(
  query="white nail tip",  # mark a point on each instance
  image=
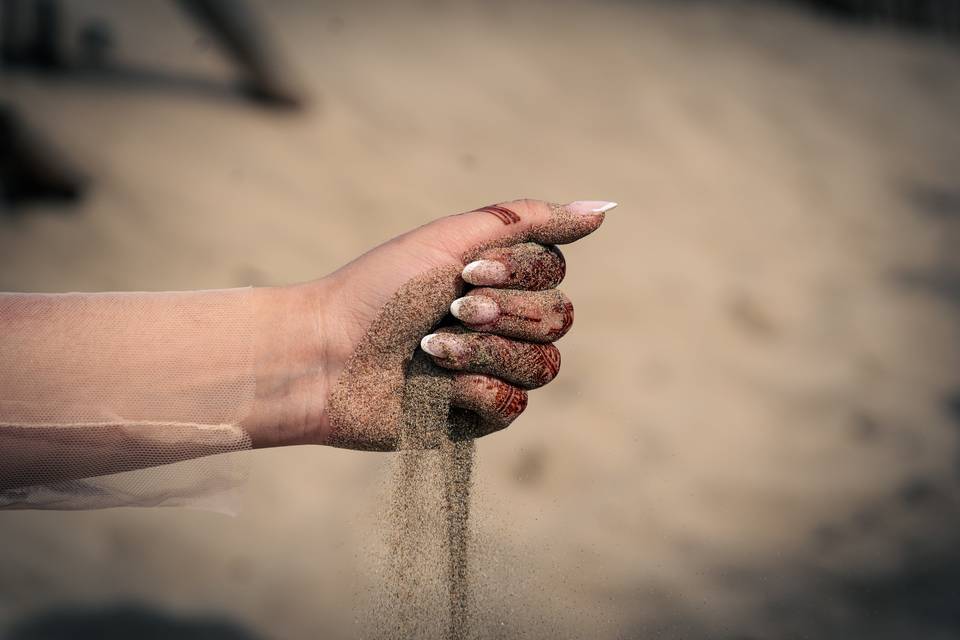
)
(472, 267)
(588, 207)
(425, 344)
(484, 272)
(475, 309)
(606, 207)
(442, 345)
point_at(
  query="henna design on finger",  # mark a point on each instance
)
(510, 401)
(504, 215)
(527, 266)
(550, 359)
(533, 316)
(519, 316)
(565, 309)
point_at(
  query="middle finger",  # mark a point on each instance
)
(535, 316)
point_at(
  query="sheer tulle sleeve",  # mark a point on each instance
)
(123, 399)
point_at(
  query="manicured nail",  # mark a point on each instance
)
(475, 309)
(590, 207)
(442, 345)
(485, 272)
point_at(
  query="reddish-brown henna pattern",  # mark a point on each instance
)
(530, 266)
(504, 215)
(519, 316)
(510, 401)
(550, 359)
(534, 316)
(565, 309)
(523, 364)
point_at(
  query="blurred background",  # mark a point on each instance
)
(755, 432)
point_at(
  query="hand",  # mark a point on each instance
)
(367, 319)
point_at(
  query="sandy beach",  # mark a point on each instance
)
(754, 433)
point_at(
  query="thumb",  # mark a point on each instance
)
(538, 221)
(510, 223)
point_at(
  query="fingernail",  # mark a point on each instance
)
(475, 309)
(485, 272)
(442, 345)
(590, 207)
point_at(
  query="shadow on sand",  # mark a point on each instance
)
(124, 622)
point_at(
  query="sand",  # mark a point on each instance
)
(365, 405)
(387, 400)
(766, 301)
(391, 396)
(429, 512)
(527, 365)
(536, 266)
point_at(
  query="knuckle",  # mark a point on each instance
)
(480, 350)
(529, 208)
(487, 345)
(488, 292)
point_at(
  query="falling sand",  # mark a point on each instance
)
(431, 482)
(391, 396)
(399, 403)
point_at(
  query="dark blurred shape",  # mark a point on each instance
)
(10, 29)
(920, 599)
(48, 45)
(944, 282)
(31, 34)
(751, 316)
(941, 16)
(123, 622)
(32, 37)
(530, 466)
(29, 168)
(236, 29)
(952, 405)
(96, 42)
(938, 200)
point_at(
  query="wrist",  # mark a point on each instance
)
(290, 366)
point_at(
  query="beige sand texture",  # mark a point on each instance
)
(754, 434)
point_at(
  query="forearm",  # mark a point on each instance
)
(94, 384)
(99, 383)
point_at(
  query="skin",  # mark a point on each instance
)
(532, 316)
(306, 334)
